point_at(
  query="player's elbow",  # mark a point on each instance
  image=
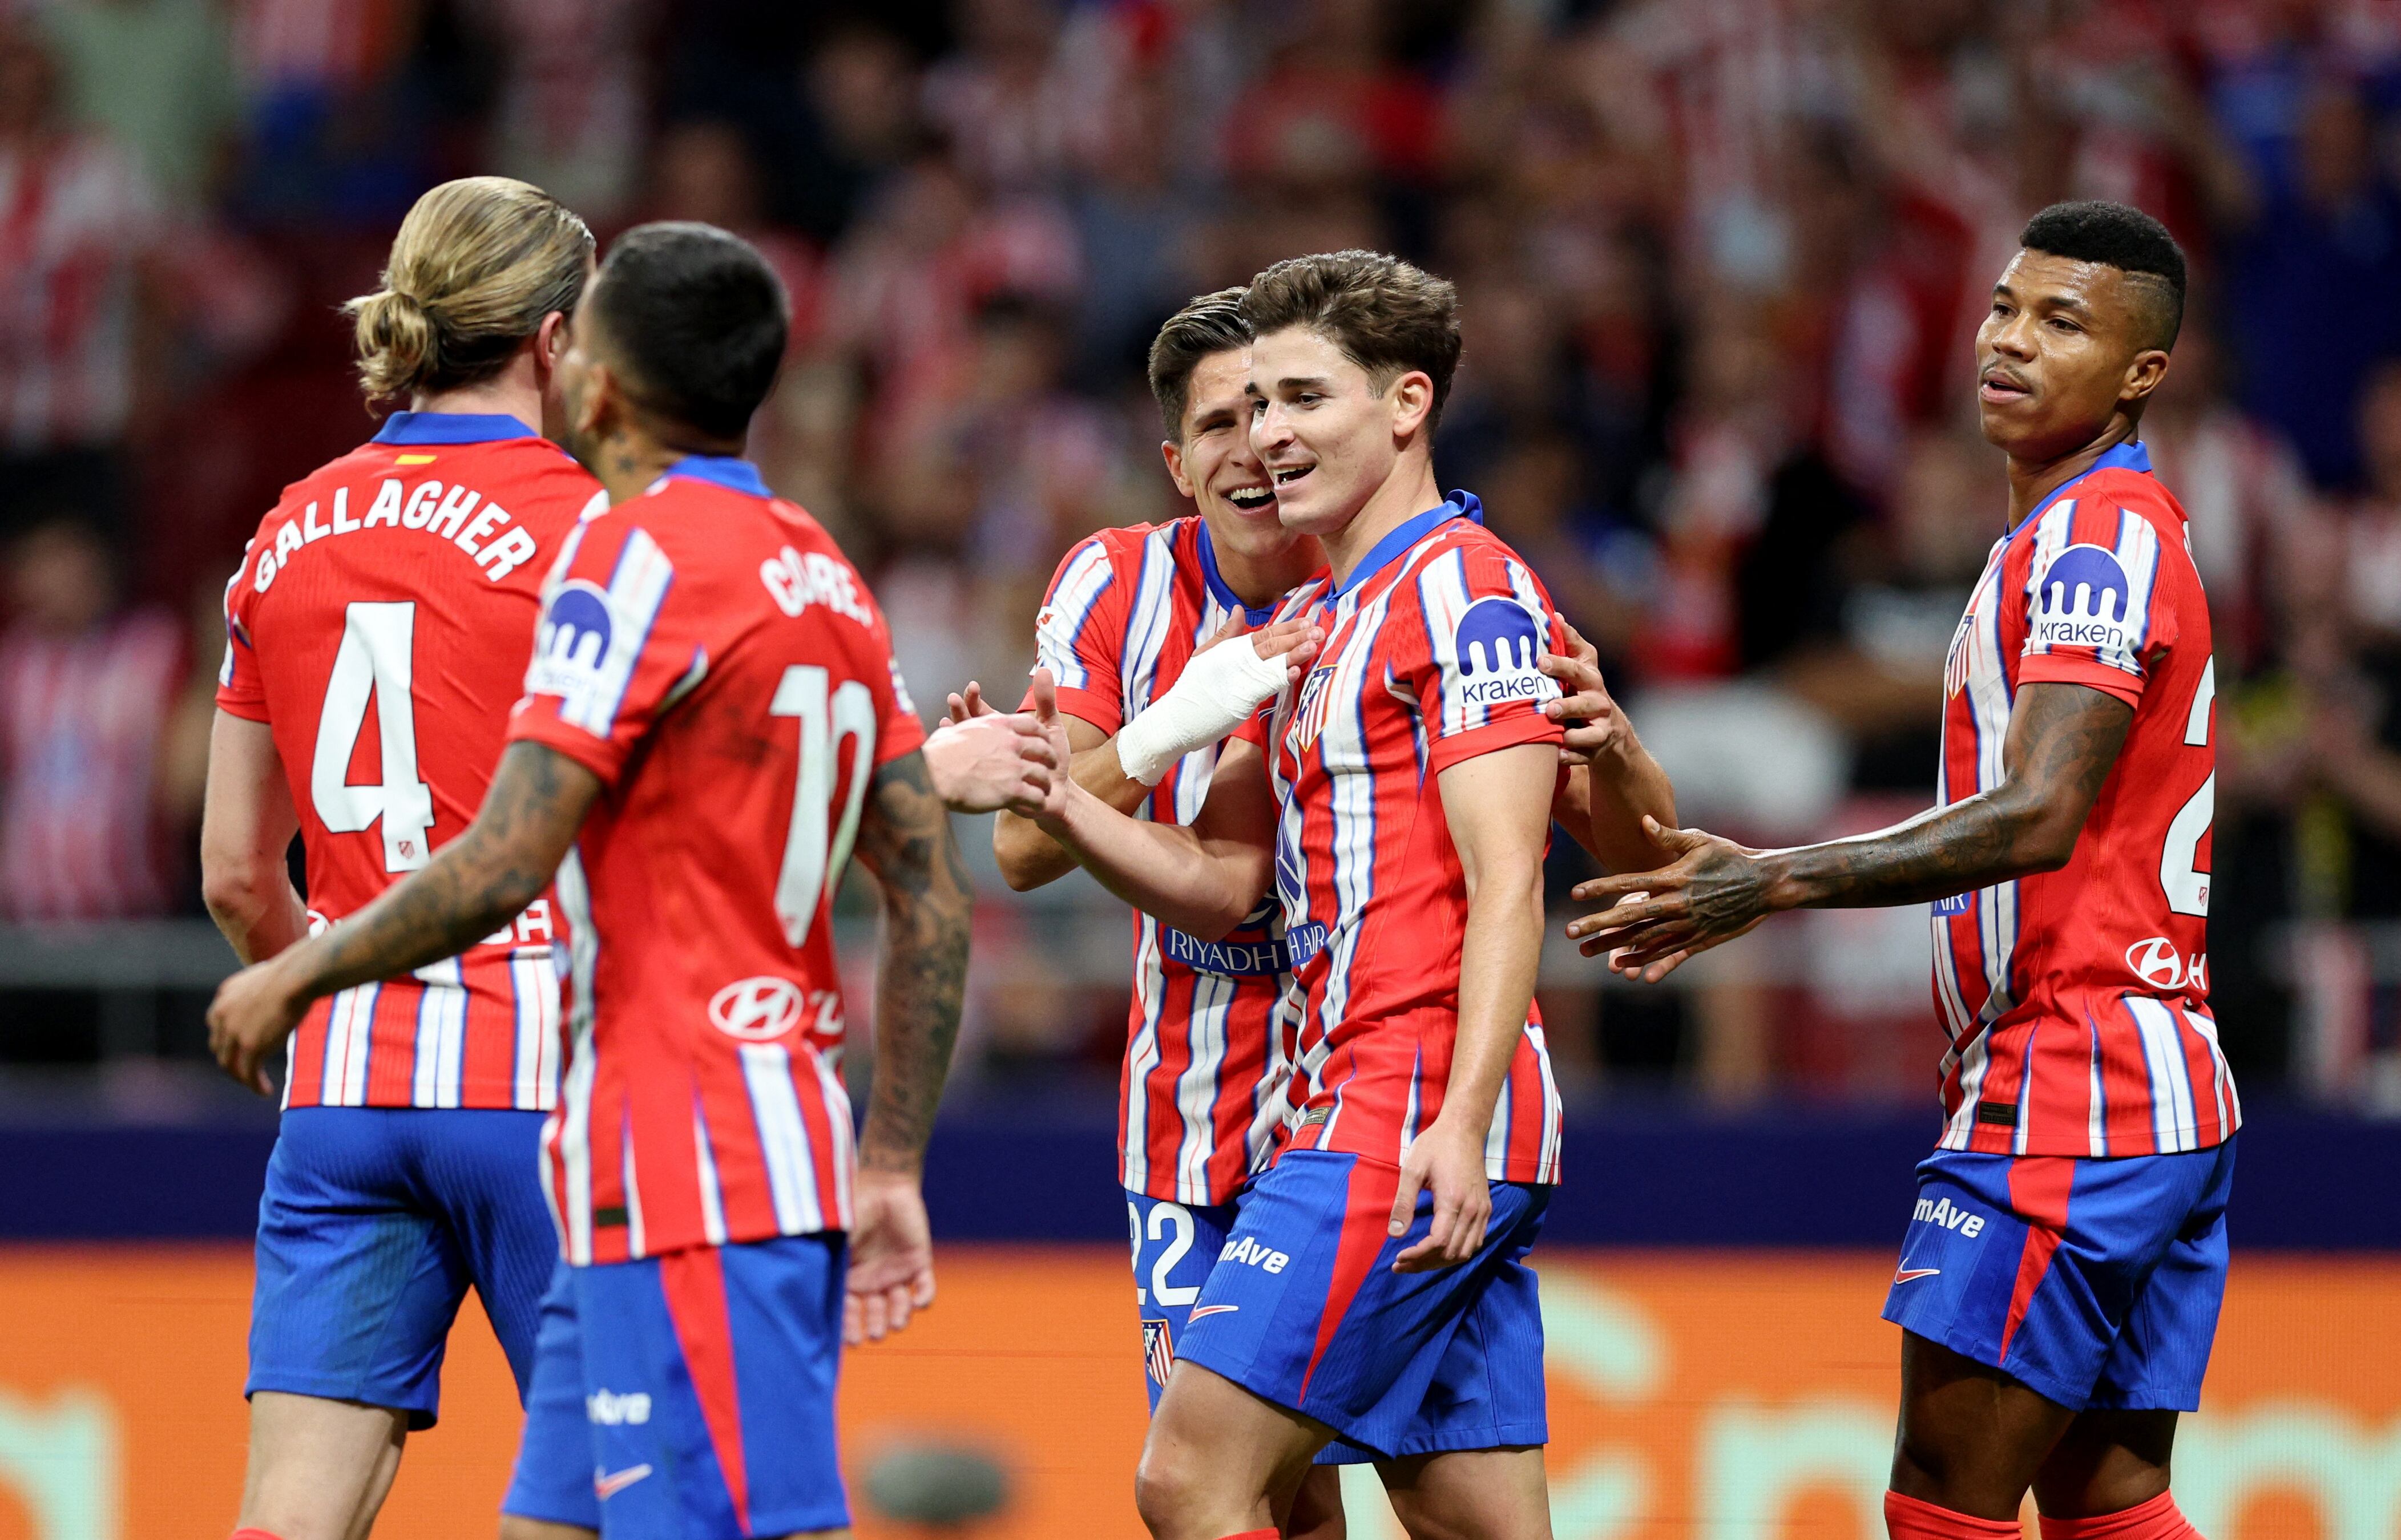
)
(238, 889)
(1018, 848)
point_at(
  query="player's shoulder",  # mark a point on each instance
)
(1126, 547)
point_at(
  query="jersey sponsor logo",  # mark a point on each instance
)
(1231, 959)
(2157, 963)
(2083, 601)
(1957, 904)
(1250, 1253)
(608, 1483)
(577, 626)
(756, 1010)
(1157, 1351)
(1911, 1275)
(608, 1408)
(1305, 941)
(1941, 1211)
(1498, 643)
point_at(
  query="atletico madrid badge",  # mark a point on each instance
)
(1157, 1352)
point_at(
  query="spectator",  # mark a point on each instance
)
(156, 75)
(76, 311)
(87, 692)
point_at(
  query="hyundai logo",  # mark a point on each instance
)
(756, 1010)
(2156, 963)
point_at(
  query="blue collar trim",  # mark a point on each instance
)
(1221, 591)
(450, 428)
(727, 471)
(1462, 505)
(2130, 455)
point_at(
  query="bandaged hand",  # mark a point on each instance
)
(1219, 689)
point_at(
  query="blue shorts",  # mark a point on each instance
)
(2093, 1282)
(689, 1397)
(374, 1223)
(1302, 1308)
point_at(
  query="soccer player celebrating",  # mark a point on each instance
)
(2059, 1284)
(407, 575)
(711, 723)
(1374, 1286)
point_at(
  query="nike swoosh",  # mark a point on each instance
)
(607, 1484)
(1912, 1274)
(1199, 1311)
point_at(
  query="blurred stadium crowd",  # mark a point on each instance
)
(1720, 260)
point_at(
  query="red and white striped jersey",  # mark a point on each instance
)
(81, 720)
(2076, 1000)
(77, 217)
(1430, 660)
(1208, 1037)
(379, 623)
(709, 652)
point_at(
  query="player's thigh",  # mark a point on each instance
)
(710, 1382)
(1174, 1246)
(1214, 1444)
(318, 1468)
(1471, 1494)
(482, 1171)
(1971, 1438)
(357, 1279)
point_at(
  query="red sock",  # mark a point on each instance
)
(2157, 1520)
(1254, 1535)
(1910, 1518)
(253, 1535)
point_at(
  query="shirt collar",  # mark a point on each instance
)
(1221, 591)
(450, 428)
(727, 471)
(1462, 505)
(2130, 455)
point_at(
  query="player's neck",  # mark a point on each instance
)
(631, 461)
(1261, 580)
(1408, 491)
(510, 393)
(2032, 481)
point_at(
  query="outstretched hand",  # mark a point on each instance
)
(981, 760)
(1053, 728)
(1713, 892)
(1593, 722)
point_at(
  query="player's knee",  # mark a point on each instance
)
(1167, 1486)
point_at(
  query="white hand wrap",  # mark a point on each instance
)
(1218, 692)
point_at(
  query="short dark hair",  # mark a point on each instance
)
(1208, 323)
(699, 320)
(2117, 236)
(1386, 315)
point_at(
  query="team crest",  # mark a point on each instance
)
(1157, 1352)
(1309, 716)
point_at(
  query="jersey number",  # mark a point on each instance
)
(2188, 890)
(378, 644)
(815, 850)
(1163, 1218)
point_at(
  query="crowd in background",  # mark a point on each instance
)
(1720, 259)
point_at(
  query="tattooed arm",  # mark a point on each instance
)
(2062, 742)
(475, 883)
(920, 982)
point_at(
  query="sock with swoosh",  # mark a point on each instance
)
(2157, 1520)
(1910, 1518)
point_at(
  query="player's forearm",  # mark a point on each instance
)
(254, 907)
(1498, 958)
(1196, 884)
(920, 991)
(1627, 784)
(1028, 857)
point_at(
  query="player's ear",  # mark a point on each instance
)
(1172, 453)
(550, 343)
(1411, 402)
(2144, 372)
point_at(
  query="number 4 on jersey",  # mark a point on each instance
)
(375, 660)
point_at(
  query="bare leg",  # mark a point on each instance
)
(1971, 1438)
(1471, 1494)
(2106, 1461)
(1316, 1509)
(1218, 1456)
(514, 1528)
(319, 1468)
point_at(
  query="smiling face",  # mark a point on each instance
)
(1215, 465)
(1328, 438)
(2066, 346)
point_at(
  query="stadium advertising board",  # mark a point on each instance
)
(1693, 1395)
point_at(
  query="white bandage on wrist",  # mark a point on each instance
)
(1216, 692)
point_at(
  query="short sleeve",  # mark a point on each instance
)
(240, 690)
(1079, 632)
(899, 730)
(2102, 597)
(1471, 654)
(611, 651)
